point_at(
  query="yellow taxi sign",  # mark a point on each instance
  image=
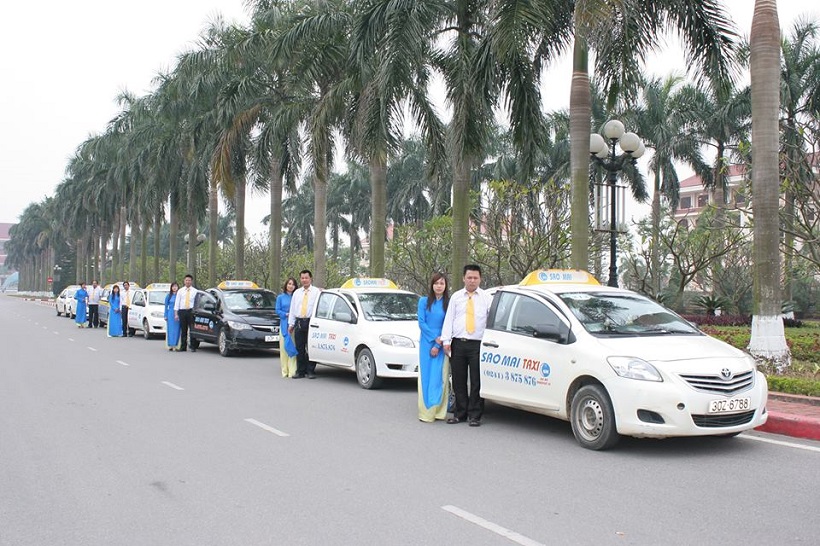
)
(368, 282)
(558, 276)
(159, 286)
(237, 284)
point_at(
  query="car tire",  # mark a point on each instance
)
(593, 419)
(366, 370)
(222, 343)
(146, 329)
(59, 314)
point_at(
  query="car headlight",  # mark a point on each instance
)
(157, 314)
(236, 325)
(396, 341)
(634, 368)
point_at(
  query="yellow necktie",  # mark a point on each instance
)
(187, 298)
(303, 311)
(470, 314)
(128, 298)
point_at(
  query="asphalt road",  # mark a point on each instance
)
(119, 442)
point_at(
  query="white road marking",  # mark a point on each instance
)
(45, 327)
(177, 387)
(71, 339)
(121, 362)
(781, 443)
(490, 526)
(56, 333)
(92, 349)
(268, 428)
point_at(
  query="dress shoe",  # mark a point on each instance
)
(453, 420)
(193, 350)
(182, 350)
(311, 376)
(298, 376)
(475, 423)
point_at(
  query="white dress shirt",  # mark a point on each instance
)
(296, 303)
(94, 295)
(455, 320)
(180, 301)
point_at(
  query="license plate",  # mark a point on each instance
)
(271, 339)
(730, 405)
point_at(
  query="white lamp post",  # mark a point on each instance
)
(602, 151)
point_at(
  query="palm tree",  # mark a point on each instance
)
(768, 340)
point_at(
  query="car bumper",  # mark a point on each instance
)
(402, 362)
(252, 339)
(665, 409)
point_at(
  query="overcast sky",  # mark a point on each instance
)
(63, 64)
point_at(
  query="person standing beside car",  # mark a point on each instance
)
(183, 312)
(434, 372)
(126, 305)
(94, 295)
(461, 334)
(171, 321)
(81, 295)
(301, 305)
(115, 312)
(287, 349)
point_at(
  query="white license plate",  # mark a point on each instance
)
(730, 405)
(271, 339)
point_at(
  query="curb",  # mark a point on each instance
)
(792, 425)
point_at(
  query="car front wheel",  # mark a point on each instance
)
(366, 370)
(593, 419)
(146, 331)
(222, 343)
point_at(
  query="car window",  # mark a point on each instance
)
(389, 306)
(341, 310)
(202, 298)
(139, 299)
(246, 300)
(520, 314)
(503, 306)
(624, 313)
(157, 297)
(327, 301)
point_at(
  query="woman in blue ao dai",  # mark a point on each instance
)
(171, 321)
(81, 313)
(434, 368)
(287, 349)
(115, 312)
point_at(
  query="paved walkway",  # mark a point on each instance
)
(793, 415)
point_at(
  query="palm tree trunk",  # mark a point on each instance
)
(132, 250)
(275, 226)
(101, 255)
(146, 225)
(320, 219)
(378, 214)
(173, 229)
(240, 226)
(157, 241)
(115, 248)
(654, 249)
(190, 216)
(580, 113)
(461, 214)
(213, 233)
(768, 341)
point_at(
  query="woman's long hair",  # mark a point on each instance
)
(171, 288)
(285, 286)
(431, 295)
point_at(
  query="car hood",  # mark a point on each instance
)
(672, 348)
(262, 316)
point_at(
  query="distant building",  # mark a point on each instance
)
(4, 236)
(694, 197)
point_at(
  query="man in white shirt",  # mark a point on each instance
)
(125, 298)
(461, 333)
(301, 305)
(183, 312)
(94, 295)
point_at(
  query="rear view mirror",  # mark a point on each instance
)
(209, 306)
(549, 331)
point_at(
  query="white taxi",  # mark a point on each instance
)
(65, 302)
(613, 362)
(368, 326)
(147, 311)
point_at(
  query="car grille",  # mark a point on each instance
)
(272, 329)
(715, 384)
(715, 421)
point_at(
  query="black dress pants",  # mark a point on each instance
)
(93, 315)
(124, 314)
(186, 319)
(463, 364)
(300, 339)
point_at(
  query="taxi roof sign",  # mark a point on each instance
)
(368, 282)
(558, 276)
(237, 284)
(159, 286)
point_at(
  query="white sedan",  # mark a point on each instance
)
(64, 303)
(368, 326)
(147, 311)
(612, 363)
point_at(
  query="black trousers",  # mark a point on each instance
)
(300, 339)
(93, 315)
(124, 321)
(464, 363)
(186, 324)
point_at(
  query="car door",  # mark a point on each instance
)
(137, 310)
(206, 316)
(329, 326)
(518, 367)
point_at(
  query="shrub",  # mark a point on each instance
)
(722, 320)
(793, 385)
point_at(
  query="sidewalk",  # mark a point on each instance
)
(793, 415)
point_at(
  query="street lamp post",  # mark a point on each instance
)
(200, 238)
(602, 151)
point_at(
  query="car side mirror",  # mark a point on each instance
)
(209, 306)
(549, 331)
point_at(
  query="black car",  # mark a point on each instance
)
(235, 317)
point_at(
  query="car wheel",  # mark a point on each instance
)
(146, 329)
(366, 370)
(593, 419)
(222, 343)
(59, 314)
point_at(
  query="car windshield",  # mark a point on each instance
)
(157, 297)
(247, 300)
(389, 306)
(608, 313)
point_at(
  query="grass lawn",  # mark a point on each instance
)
(804, 375)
